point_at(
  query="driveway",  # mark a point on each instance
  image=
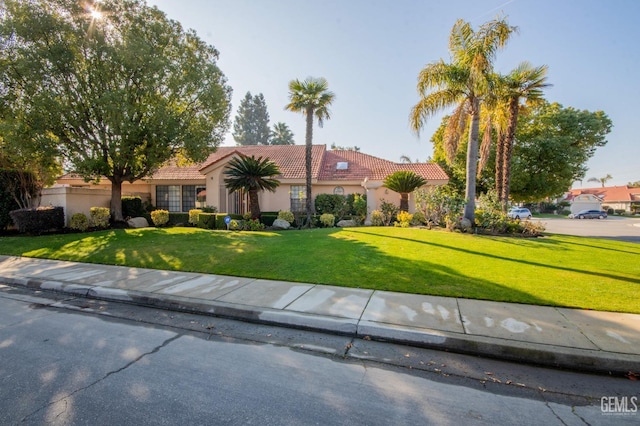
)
(614, 227)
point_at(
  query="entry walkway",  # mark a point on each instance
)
(569, 338)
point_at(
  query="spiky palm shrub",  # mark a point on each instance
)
(404, 182)
(252, 175)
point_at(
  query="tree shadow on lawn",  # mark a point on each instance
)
(509, 259)
(581, 241)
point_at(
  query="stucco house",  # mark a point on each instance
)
(176, 188)
(613, 197)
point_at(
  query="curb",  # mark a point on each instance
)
(592, 361)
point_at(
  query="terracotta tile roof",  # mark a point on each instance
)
(609, 194)
(360, 166)
(290, 158)
(173, 172)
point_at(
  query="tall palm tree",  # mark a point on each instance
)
(252, 175)
(404, 182)
(602, 180)
(463, 83)
(312, 98)
(525, 82)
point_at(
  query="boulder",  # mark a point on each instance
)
(346, 223)
(281, 224)
(138, 222)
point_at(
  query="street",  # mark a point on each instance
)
(614, 227)
(76, 361)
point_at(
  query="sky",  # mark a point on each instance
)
(371, 51)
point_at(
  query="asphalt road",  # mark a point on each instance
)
(614, 227)
(85, 362)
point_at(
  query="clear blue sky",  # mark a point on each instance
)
(371, 52)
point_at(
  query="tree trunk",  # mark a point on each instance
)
(508, 149)
(472, 162)
(404, 202)
(116, 199)
(307, 164)
(500, 167)
(254, 204)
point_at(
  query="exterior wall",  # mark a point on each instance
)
(75, 200)
(585, 202)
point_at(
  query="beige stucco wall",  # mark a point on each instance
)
(75, 200)
(585, 202)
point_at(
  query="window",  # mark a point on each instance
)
(298, 196)
(168, 197)
(338, 190)
(188, 197)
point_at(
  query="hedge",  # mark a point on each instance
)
(12, 179)
(132, 207)
(37, 221)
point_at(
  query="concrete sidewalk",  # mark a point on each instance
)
(568, 338)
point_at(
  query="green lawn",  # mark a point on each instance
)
(555, 270)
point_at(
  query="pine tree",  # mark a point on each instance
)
(251, 125)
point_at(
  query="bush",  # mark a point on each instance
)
(193, 216)
(286, 215)
(160, 217)
(178, 219)
(620, 212)
(327, 220)
(207, 220)
(377, 218)
(252, 225)
(36, 221)
(11, 182)
(404, 219)
(210, 209)
(132, 207)
(389, 211)
(609, 211)
(79, 222)
(358, 207)
(268, 218)
(99, 217)
(418, 219)
(336, 205)
(439, 206)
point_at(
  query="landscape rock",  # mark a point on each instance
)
(138, 222)
(281, 224)
(346, 223)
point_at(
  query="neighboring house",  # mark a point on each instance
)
(344, 172)
(613, 197)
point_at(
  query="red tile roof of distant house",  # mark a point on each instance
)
(609, 193)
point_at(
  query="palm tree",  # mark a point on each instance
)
(404, 182)
(312, 98)
(463, 83)
(525, 82)
(602, 180)
(281, 135)
(252, 174)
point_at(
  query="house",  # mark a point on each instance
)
(177, 189)
(612, 197)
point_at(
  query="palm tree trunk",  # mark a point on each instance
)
(500, 167)
(472, 162)
(404, 202)
(254, 204)
(508, 150)
(307, 164)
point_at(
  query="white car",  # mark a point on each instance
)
(519, 213)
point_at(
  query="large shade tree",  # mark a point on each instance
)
(113, 87)
(404, 182)
(252, 175)
(312, 98)
(464, 84)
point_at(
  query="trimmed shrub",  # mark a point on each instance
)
(268, 218)
(79, 222)
(207, 220)
(377, 218)
(36, 221)
(193, 216)
(327, 220)
(286, 215)
(160, 217)
(99, 217)
(404, 219)
(620, 212)
(210, 209)
(132, 207)
(178, 219)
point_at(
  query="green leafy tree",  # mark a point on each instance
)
(635, 184)
(554, 145)
(312, 98)
(252, 175)
(281, 135)
(404, 182)
(464, 84)
(251, 125)
(115, 90)
(603, 180)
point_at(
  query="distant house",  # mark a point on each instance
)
(343, 172)
(613, 197)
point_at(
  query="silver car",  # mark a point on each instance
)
(519, 213)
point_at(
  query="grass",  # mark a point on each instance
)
(556, 270)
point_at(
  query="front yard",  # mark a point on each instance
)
(554, 270)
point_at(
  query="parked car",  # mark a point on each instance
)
(519, 213)
(590, 214)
